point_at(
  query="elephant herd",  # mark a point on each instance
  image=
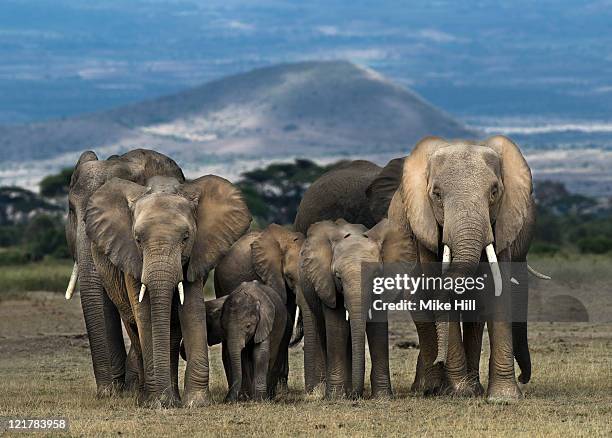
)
(144, 240)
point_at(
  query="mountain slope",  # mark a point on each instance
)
(310, 108)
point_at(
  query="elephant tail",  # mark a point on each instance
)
(182, 351)
(521, 350)
(298, 329)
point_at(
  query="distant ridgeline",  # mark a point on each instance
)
(32, 225)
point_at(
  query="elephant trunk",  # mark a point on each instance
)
(161, 276)
(355, 308)
(464, 237)
(235, 353)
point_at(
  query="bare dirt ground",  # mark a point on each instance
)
(46, 371)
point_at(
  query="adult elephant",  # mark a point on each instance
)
(334, 305)
(101, 317)
(162, 239)
(270, 256)
(465, 202)
(341, 193)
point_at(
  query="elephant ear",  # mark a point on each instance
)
(396, 243)
(517, 195)
(267, 258)
(317, 259)
(267, 313)
(383, 187)
(222, 216)
(415, 193)
(108, 220)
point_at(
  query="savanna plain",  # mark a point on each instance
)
(45, 371)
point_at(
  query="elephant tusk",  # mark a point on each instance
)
(446, 258)
(346, 316)
(297, 316)
(73, 280)
(181, 292)
(497, 278)
(537, 274)
(143, 289)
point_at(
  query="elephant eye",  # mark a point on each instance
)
(185, 236)
(494, 192)
(436, 194)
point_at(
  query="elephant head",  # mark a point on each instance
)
(460, 199)
(89, 175)
(331, 262)
(247, 317)
(275, 253)
(163, 234)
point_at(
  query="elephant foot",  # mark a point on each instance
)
(430, 385)
(197, 399)
(503, 392)
(117, 387)
(132, 382)
(334, 392)
(232, 397)
(164, 400)
(382, 393)
(260, 395)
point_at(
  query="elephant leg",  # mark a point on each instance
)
(456, 364)
(283, 378)
(429, 378)
(246, 389)
(472, 341)
(94, 312)
(115, 343)
(502, 381)
(132, 364)
(175, 343)
(261, 362)
(193, 326)
(337, 329)
(134, 361)
(378, 343)
(314, 347)
(226, 363)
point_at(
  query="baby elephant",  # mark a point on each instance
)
(251, 322)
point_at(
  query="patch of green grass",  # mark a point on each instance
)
(48, 275)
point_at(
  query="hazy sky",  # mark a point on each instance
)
(476, 59)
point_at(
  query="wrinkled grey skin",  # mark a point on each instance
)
(467, 196)
(164, 235)
(270, 256)
(341, 194)
(329, 286)
(252, 322)
(101, 317)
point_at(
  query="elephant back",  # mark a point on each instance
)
(339, 193)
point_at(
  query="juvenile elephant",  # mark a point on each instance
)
(252, 322)
(101, 317)
(150, 242)
(334, 305)
(466, 202)
(270, 256)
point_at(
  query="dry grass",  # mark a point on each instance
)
(46, 371)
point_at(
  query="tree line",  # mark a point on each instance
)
(32, 225)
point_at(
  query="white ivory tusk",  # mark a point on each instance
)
(297, 316)
(537, 274)
(143, 289)
(72, 281)
(181, 292)
(497, 278)
(347, 316)
(446, 258)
